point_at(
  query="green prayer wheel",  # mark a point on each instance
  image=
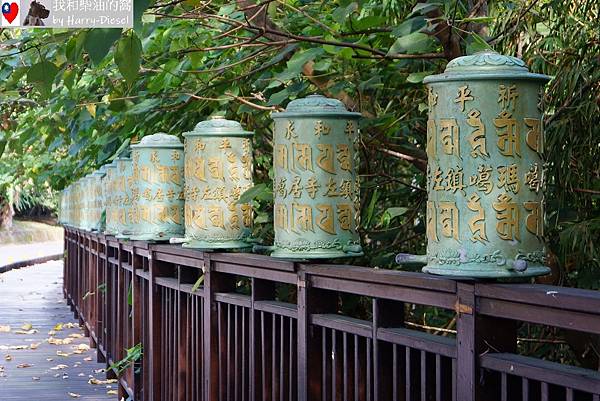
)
(485, 173)
(218, 169)
(110, 199)
(157, 188)
(97, 202)
(88, 202)
(124, 172)
(316, 186)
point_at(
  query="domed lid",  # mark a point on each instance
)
(159, 140)
(315, 105)
(112, 164)
(485, 65)
(101, 172)
(218, 126)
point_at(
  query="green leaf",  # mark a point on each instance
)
(74, 47)
(69, 78)
(139, 7)
(476, 44)
(278, 97)
(198, 283)
(417, 77)
(391, 213)
(128, 54)
(542, 29)
(409, 26)
(42, 75)
(98, 42)
(257, 192)
(413, 43)
(295, 64)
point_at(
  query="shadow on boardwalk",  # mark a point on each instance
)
(43, 354)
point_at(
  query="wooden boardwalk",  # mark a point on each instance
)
(43, 355)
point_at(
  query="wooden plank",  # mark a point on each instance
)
(347, 324)
(277, 307)
(543, 295)
(34, 295)
(416, 339)
(545, 371)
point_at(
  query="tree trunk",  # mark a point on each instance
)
(6, 213)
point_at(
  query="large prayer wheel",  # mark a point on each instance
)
(485, 211)
(123, 195)
(316, 186)
(110, 199)
(157, 188)
(218, 169)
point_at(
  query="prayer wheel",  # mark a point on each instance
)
(123, 194)
(157, 188)
(110, 199)
(97, 202)
(316, 187)
(218, 169)
(485, 174)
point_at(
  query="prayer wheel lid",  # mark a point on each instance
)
(315, 105)
(485, 65)
(159, 140)
(101, 172)
(112, 164)
(218, 126)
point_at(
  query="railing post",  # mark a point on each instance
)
(476, 335)
(155, 302)
(137, 263)
(386, 313)
(310, 301)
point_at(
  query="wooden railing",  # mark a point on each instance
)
(234, 339)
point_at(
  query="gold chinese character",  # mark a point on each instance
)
(296, 188)
(199, 145)
(246, 146)
(289, 131)
(281, 156)
(215, 215)
(163, 173)
(324, 219)
(508, 178)
(159, 197)
(450, 136)
(145, 214)
(534, 137)
(350, 130)
(345, 189)
(175, 212)
(246, 214)
(198, 218)
(325, 158)
(483, 179)
(302, 217)
(508, 140)
(507, 96)
(532, 178)
(454, 180)
(321, 129)
(534, 221)
(303, 153)
(194, 193)
(170, 194)
(199, 169)
(508, 218)
(312, 186)
(431, 98)
(246, 166)
(464, 95)
(477, 223)
(331, 188)
(147, 194)
(438, 180)
(449, 219)
(431, 139)
(431, 227)
(175, 175)
(225, 143)
(281, 187)
(477, 137)
(215, 167)
(344, 212)
(154, 157)
(343, 157)
(281, 216)
(234, 220)
(175, 155)
(233, 167)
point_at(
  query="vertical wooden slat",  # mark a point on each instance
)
(544, 391)
(407, 373)
(525, 389)
(503, 387)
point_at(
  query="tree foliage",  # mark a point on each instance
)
(87, 91)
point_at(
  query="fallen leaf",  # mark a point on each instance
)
(4, 329)
(8, 358)
(24, 365)
(95, 381)
(112, 392)
(27, 326)
(58, 367)
(60, 353)
(88, 359)
(58, 327)
(26, 332)
(35, 379)
(76, 335)
(34, 346)
(74, 395)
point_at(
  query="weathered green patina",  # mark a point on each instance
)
(110, 199)
(316, 187)
(97, 201)
(157, 188)
(218, 169)
(485, 169)
(122, 191)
